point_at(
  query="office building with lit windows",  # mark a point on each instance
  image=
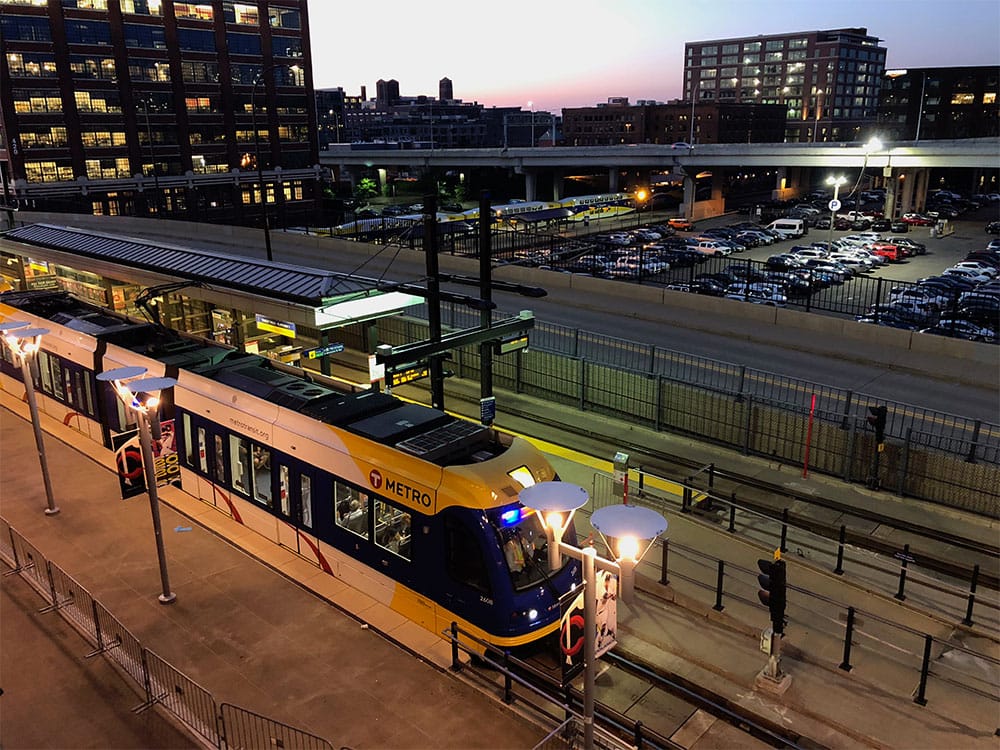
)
(158, 108)
(828, 81)
(931, 103)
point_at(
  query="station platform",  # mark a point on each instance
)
(328, 660)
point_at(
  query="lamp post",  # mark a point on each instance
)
(556, 502)
(694, 97)
(23, 342)
(834, 204)
(142, 397)
(873, 145)
(256, 142)
(628, 525)
(152, 158)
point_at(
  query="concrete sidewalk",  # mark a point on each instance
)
(252, 637)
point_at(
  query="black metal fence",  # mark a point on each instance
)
(159, 682)
(928, 454)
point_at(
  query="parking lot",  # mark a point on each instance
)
(870, 293)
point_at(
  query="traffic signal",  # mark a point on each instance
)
(876, 419)
(772, 593)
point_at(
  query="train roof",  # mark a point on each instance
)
(421, 431)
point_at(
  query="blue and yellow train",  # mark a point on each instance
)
(417, 508)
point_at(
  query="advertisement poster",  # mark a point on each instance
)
(573, 626)
(128, 458)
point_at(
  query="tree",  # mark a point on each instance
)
(366, 188)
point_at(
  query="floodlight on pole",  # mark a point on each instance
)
(834, 205)
(634, 530)
(24, 341)
(143, 397)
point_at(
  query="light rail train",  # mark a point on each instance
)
(417, 508)
(581, 207)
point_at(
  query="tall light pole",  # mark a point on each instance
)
(873, 145)
(256, 142)
(152, 158)
(834, 205)
(23, 341)
(142, 397)
(694, 97)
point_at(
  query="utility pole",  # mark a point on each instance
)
(487, 403)
(433, 299)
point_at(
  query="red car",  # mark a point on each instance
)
(917, 220)
(887, 251)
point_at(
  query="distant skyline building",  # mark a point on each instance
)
(940, 103)
(828, 81)
(619, 122)
(148, 108)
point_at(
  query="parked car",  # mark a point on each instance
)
(962, 329)
(682, 225)
(915, 248)
(757, 296)
(917, 220)
(897, 225)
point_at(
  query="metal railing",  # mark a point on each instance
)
(725, 580)
(929, 454)
(159, 682)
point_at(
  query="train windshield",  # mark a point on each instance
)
(525, 547)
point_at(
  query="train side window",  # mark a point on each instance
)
(262, 476)
(88, 395)
(56, 381)
(286, 508)
(392, 529)
(189, 446)
(464, 558)
(219, 466)
(239, 460)
(202, 447)
(305, 496)
(351, 508)
(44, 372)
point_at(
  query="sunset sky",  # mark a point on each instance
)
(579, 53)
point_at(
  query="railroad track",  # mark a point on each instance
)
(752, 494)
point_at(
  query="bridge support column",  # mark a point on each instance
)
(687, 205)
(557, 185)
(613, 180)
(781, 190)
(921, 182)
(891, 185)
(530, 185)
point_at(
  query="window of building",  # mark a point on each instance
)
(713, 50)
(196, 40)
(729, 60)
(990, 97)
(108, 169)
(774, 44)
(22, 29)
(243, 44)
(143, 36)
(241, 13)
(773, 56)
(730, 49)
(286, 46)
(140, 69)
(98, 101)
(963, 98)
(88, 66)
(88, 32)
(31, 64)
(102, 138)
(285, 18)
(26, 101)
(43, 137)
(86, 4)
(47, 171)
(203, 104)
(142, 7)
(797, 54)
(31, 3)
(244, 74)
(200, 72)
(197, 11)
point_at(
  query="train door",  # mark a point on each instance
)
(295, 485)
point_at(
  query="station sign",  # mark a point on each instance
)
(322, 351)
(401, 377)
(283, 327)
(511, 344)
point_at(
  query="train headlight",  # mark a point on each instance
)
(532, 614)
